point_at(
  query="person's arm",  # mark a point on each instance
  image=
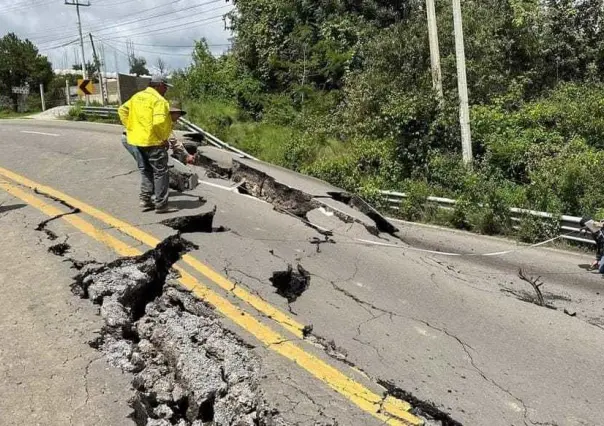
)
(124, 112)
(162, 123)
(180, 151)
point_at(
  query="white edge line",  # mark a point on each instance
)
(39, 133)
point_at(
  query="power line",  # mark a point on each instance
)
(172, 28)
(101, 28)
(164, 14)
(21, 7)
(178, 46)
(100, 25)
(163, 30)
(44, 32)
(111, 4)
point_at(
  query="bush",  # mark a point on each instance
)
(76, 114)
(415, 206)
(536, 229)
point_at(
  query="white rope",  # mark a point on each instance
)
(444, 253)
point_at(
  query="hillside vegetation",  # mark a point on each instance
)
(341, 90)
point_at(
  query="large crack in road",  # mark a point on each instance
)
(188, 369)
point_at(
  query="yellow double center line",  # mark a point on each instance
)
(389, 410)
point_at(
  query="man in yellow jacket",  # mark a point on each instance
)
(146, 117)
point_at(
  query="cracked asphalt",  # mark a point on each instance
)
(447, 330)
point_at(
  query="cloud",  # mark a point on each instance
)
(156, 28)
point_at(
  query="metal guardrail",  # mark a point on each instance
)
(100, 111)
(192, 127)
(569, 225)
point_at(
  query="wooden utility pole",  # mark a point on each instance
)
(97, 63)
(462, 85)
(77, 4)
(437, 82)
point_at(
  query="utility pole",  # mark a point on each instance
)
(97, 63)
(117, 67)
(104, 71)
(42, 97)
(462, 85)
(437, 81)
(77, 4)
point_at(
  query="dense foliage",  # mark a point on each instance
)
(341, 89)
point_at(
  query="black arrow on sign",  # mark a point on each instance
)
(83, 87)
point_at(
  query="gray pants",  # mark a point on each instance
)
(153, 166)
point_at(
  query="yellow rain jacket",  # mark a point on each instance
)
(146, 117)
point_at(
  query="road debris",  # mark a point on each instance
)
(195, 223)
(181, 178)
(536, 284)
(291, 284)
(317, 241)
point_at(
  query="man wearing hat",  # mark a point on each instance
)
(148, 122)
(178, 149)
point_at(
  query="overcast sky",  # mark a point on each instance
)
(156, 28)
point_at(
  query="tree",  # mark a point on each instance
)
(161, 65)
(138, 66)
(20, 64)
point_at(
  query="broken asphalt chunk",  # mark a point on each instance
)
(195, 223)
(188, 369)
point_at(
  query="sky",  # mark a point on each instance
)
(165, 29)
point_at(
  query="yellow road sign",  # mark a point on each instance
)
(85, 87)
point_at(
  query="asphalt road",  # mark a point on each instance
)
(450, 330)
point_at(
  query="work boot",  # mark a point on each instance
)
(146, 205)
(165, 209)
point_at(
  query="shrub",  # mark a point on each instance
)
(76, 114)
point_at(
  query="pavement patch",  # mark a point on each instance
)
(188, 369)
(195, 223)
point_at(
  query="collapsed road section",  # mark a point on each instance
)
(188, 369)
(251, 179)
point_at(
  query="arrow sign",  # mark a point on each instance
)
(85, 87)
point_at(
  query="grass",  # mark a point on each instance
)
(263, 140)
(8, 114)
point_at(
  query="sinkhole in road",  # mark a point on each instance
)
(291, 284)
